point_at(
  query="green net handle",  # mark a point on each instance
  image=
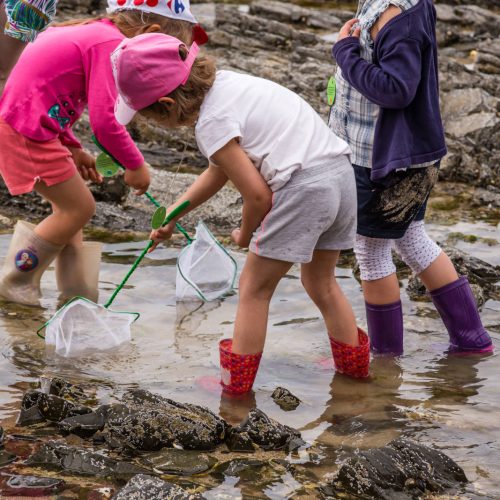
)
(174, 213)
(148, 195)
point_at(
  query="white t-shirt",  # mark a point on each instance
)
(279, 131)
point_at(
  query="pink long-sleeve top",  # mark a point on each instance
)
(64, 70)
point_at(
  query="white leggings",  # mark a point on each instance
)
(374, 255)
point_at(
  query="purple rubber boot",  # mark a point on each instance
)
(458, 310)
(385, 328)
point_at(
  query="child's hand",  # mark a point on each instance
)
(345, 31)
(240, 239)
(162, 234)
(85, 163)
(138, 179)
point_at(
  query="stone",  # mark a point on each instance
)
(240, 442)
(178, 462)
(285, 399)
(266, 432)
(145, 487)
(63, 389)
(74, 460)
(402, 469)
(6, 458)
(84, 426)
(31, 486)
(156, 422)
(38, 406)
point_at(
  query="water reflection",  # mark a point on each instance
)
(451, 402)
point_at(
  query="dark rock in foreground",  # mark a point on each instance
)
(56, 455)
(84, 426)
(269, 434)
(30, 486)
(401, 468)
(285, 399)
(38, 406)
(156, 422)
(144, 487)
(176, 462)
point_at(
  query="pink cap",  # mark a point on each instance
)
(146, 68)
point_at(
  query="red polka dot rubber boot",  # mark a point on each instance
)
(350, 360)
(238, 371)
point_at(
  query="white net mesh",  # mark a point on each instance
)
(82, 326)
(205, 270)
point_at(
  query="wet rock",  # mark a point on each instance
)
(144, 487)
(112, 190)
(156, 422)
(285, 399)
(239, 442)
(6, 458)
(62, 388)
(75, 460)
(267, 433)
(481, 275)
(84, 426)
(38, 406)
(2, 436)
(401, 468)
(31, 486)
(178, 462)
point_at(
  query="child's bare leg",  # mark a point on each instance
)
(318, 278)
(73, 206)
(258, 280)
(440, 273)
(381, 291)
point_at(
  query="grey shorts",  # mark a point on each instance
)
(314, 210)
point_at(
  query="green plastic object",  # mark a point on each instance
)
(149, 196)
(331, 91)
(174, 213)
(158, 217)
(106, 166)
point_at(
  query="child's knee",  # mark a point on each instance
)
(416, 248)
(252, 289)
(374, 256)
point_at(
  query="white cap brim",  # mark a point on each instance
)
(123, 112)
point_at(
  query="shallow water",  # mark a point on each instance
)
(452, 403)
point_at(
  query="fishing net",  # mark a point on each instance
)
(205, 269)
(82, 325)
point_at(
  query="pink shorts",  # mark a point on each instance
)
(24, 162)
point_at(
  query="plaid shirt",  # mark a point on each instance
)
(353, 117)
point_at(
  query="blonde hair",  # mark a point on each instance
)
(188, 97)
(135, 22)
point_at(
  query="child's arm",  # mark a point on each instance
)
(101, 97)
(393, 82)
(203, 188)
(257, 197)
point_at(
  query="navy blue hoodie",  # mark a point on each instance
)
(403, 81)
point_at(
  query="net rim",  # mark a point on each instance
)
(74, 299)
(193, 285)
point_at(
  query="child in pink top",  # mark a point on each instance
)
(67, 69)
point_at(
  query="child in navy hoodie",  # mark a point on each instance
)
(387, 109)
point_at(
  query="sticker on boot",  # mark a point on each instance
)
(26, 260)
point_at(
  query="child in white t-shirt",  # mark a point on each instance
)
(299, 203)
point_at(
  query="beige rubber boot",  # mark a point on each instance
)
(28, 258)
(77, 271)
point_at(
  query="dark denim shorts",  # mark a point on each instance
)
(388, 206)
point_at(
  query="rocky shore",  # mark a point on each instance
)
(291, 44)
(146, 446)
